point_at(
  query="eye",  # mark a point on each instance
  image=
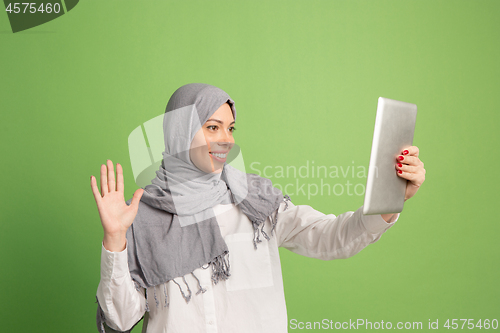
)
(212, 127)
(232, 129)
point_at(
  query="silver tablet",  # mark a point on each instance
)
(394, 128)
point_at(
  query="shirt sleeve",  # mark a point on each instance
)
(122, 304)
(308, 232)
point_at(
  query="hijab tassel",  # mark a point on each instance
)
(201, 289)
(156, 299)
(147, 305)
(275, 221)
(166, 296)
(263, 232)
(256, 238)
(220, 268)
(188, 297)
(286, 199)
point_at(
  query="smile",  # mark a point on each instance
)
(219, 156)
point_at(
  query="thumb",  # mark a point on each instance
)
(136, 198)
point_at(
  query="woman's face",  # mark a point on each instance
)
(213, 141)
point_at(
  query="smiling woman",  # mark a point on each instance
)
(199, 212)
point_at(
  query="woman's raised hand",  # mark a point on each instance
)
(116, 216)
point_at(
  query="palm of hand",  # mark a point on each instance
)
(116, 216)
(411, 189)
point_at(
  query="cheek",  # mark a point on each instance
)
(198, 140)
(199, 151)
(199, 156)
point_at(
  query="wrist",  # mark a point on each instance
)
(114, 242)
(387, 217)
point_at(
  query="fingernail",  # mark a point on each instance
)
(400, 165)
(405, 152)
(400, 172)
(401, 158)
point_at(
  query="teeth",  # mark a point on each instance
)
(219, 155)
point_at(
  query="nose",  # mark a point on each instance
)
(225, 137)
(225, 140)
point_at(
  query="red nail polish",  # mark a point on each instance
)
(405, 152)
(400, 165)
(401, 158)
(400, 172)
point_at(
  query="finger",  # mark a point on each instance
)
(410, 151)
(95, 190)
(104, 181)
(410, 160)
(111, 176)
(119, 175)
(416, 178)
(408, 168)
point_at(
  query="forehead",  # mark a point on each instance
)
(224, 113)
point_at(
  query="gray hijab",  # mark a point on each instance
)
(175, 230)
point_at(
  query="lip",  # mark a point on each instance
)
(218, 159)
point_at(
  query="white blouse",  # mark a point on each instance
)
(252, 299)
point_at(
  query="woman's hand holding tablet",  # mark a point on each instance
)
(411, 168)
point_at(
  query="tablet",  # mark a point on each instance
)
(394, 128)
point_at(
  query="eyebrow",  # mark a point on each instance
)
(220, 122)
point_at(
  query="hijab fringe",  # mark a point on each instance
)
(147, 305)
(256, 224)
(188, 297)
(156, 299)
(166, 296)
(201, 289)
(220, 267)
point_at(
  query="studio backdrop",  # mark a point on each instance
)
(79, 77)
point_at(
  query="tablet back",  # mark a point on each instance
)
(394, 128)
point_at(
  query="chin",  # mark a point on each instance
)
(208, 169)
(218, 168)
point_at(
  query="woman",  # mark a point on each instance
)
(186, 251)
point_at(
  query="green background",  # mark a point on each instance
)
(305, 76)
